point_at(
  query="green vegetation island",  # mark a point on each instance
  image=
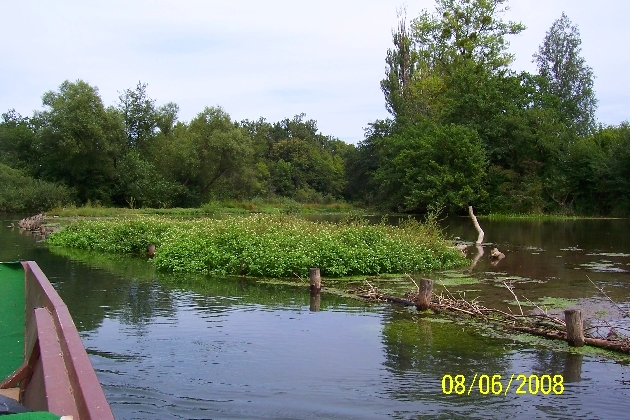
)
(278, 246)
(465, 129)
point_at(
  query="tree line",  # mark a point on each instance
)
(467, 129)
(138, 154)
(464, 129)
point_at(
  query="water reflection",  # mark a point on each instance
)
(186, 346)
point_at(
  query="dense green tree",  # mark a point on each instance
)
(139, 115)
(463, 48)
(569, 77)
(21, 193)
(166, 117)
(17, 140)
(216, 152)
(446, 82)
(79, 141)
(464, 30)
(362, 165)
(401, 63)
(140, 184)
(432, 166)
(618, 168)
(449, 54)
(310, 167)
(294, 160)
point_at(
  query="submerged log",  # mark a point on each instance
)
(530, 324)
(496, 254)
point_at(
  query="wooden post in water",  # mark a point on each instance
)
(575, 328)
(315, 301)
(424, 294)
(316, 280)
(316, 286)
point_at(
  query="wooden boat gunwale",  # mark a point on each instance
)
(57, 374)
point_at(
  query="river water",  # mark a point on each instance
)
(195, 347)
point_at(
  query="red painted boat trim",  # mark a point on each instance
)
(63, 380)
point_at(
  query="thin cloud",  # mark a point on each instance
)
(271, 59)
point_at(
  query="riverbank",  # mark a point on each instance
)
(269, 245)
(540, 217)
(258, 341)
(273, 206)
(267, 206)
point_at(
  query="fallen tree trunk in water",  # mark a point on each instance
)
(476, 223)
(539, 325)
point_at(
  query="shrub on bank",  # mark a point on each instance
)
(273, 246)
(21, 193)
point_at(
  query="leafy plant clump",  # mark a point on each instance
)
(269, 245)
(20, 192)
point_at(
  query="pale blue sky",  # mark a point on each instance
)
(271, 59)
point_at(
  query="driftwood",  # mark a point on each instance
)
(33, 223)
(496, 254)
(601, 290)
(476, 223)
(542, 325)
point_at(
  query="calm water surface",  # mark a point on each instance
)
(196, 347)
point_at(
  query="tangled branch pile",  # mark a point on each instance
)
(540, 324)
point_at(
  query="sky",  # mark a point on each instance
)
(272, 59)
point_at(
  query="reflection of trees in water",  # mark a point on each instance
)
(419, 352)
(95, 284)
(145, 301)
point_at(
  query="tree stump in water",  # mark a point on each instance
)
(424, 294)
(575, 328)
(316, 280)
(496, 254)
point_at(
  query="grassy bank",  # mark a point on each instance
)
(536, 216)
(269, 245)
(266, 206)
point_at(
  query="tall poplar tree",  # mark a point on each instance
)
(569, 78)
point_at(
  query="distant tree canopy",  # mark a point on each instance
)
(568, 77)
(138, 154)
(464, 129)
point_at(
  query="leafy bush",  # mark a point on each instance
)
(273, 246)
(21, 193)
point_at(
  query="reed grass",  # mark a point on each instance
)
(279, 205)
